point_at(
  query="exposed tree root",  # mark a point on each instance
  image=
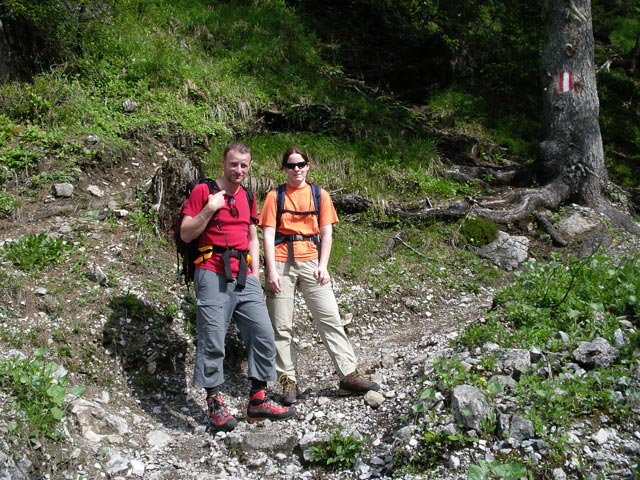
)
(515, 207)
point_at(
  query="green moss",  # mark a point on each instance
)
(478, 231)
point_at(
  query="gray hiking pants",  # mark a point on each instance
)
(217, 302)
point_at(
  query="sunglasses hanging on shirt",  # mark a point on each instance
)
(233, 210)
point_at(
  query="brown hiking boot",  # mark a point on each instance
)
(355, 384)
(289, 390)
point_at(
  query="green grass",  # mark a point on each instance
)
(204, 75)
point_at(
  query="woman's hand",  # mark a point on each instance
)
(322, 275)
(274, 283)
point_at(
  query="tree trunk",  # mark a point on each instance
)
(4, 54)
(572, 152)
(635, 57)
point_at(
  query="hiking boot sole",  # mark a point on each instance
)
(343, 392)
(256, 417)
(256, 420)
(226, 427)
(348, 393)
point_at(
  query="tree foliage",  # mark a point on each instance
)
(492, 49)
(42, 32)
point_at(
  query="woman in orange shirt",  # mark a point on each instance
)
(296, 256)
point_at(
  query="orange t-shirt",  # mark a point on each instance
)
(299, 200)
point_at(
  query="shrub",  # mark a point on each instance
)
(478, 231)
(8, 203)
(33, 252)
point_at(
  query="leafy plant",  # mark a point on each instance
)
(495, 469)
(582, 297)
(8, 203)
(34, 252)
(565, 397)
(490, 329)
(433, 447)
(37, 389)
(426, 398)
(8, 128)
(339, 451)
(450, 372)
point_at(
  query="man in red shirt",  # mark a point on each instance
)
(227, 285)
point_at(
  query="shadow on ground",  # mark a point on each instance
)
(155, 359)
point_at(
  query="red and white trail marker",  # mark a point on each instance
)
(565, 82)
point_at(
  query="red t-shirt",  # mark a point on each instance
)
(223, 229)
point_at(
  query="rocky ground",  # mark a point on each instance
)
(140, 417)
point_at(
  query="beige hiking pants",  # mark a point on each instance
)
(322, 304)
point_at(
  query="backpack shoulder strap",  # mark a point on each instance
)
(213, 188)
(279, 203)
(212, 184)
(280, 193)
(316, 190)
(250, 199)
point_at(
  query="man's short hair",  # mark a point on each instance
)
(236, 146)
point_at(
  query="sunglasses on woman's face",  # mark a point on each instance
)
(233, 210)
(300, 165)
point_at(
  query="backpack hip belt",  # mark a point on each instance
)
(205, 253)
(227, 253)
(289, 239)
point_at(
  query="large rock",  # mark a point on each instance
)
(596, 354)
(580, 220)
(96, 424)
(505, 251)
(470, 406)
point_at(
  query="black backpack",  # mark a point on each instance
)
(187, 253)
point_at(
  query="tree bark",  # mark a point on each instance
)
(4, 54)
(635, 58)
(572, 151)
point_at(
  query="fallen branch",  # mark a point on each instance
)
(391, 243)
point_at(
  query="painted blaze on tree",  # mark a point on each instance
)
(572, 154)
